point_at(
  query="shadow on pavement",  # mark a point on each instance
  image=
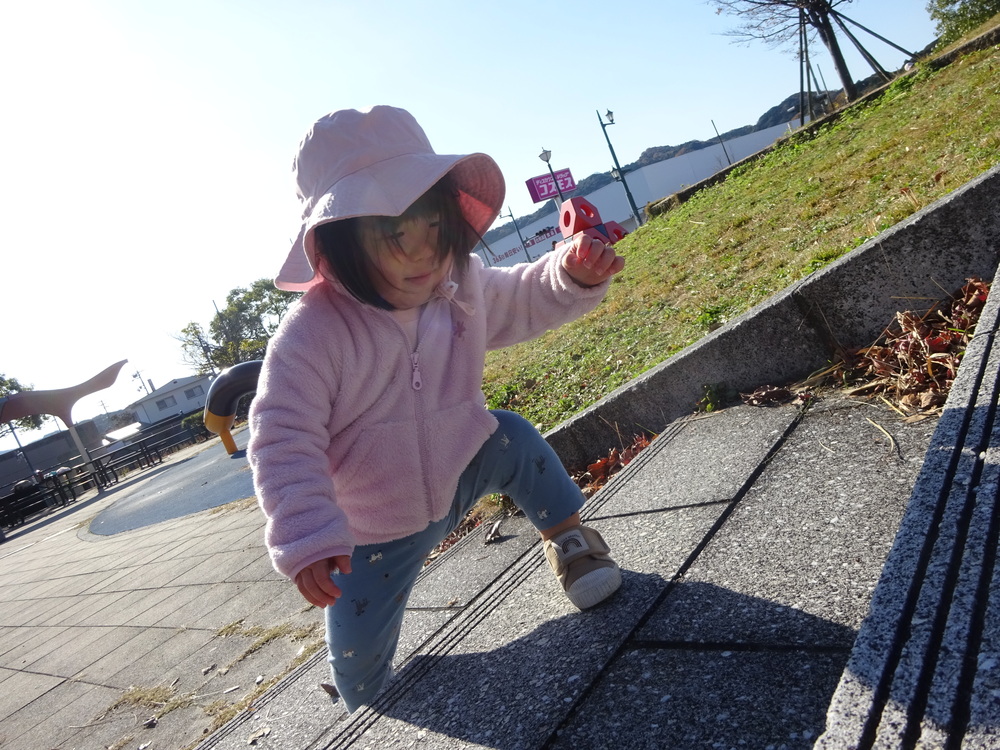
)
(757, 659)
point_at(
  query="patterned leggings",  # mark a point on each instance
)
(362, 629)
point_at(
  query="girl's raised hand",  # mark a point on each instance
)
(315, 584)
(590, 262)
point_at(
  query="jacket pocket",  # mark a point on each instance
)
(379, 481)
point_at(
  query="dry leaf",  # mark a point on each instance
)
(259, 735)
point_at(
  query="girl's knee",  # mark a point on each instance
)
(512, 421)
(515, 432)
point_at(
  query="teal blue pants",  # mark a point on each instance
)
(362, 629)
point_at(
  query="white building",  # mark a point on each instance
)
(177, 397)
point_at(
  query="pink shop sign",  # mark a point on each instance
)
(542, 187)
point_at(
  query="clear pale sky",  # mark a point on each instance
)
(145, 147)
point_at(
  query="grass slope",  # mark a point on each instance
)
(816, 196)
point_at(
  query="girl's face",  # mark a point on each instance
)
(403, 257)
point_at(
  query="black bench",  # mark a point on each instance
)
(26, 500)
(173, 443)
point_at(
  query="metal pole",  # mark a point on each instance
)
(20, 447)
(555, 182)
(808, 70)
(722, 142)
(864, 53)
(485, 258)
(518, 230)
(838, 14)
(621, 174)
(826, 91)
(802, 83)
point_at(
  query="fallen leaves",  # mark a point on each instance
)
(770, 395)
(912, 364)
(258, 735)
(598, 473)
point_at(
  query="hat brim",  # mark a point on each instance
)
(477, 178)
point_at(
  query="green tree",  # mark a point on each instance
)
(239, 332)
(8, 387)
(953, 18)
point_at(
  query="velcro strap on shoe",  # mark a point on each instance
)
(579, 542)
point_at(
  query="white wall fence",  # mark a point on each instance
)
(650, 183)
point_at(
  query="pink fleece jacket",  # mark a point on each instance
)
(345, 449)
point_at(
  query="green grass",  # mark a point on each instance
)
(815, 197)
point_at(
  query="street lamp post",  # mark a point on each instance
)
(517, 229)
(545, 156)
(618, 173)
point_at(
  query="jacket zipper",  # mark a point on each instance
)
(415, 378)
(417, 382)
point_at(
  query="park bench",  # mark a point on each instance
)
(25, 500)
(174, 442)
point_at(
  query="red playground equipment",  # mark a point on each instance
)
(580, 216)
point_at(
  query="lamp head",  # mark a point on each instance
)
(611, 117)
(545, 155)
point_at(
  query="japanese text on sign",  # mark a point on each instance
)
(543, 187)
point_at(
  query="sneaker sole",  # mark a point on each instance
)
(595, 587)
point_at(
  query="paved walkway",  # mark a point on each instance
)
(751, 539)
(84, 617)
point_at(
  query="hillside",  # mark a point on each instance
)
(817, 195)
(785, 111)
(776, 115)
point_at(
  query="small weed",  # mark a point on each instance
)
(711, 316)
(716, 396)
(160, 700)
(222, 710)
(156, 697)
(262, 636)
(236, 505)
(233, 628)
(822, 258)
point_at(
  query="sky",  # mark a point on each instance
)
(146, 147)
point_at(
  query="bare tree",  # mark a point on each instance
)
(779, 22)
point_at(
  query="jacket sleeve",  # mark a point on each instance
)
(526, 300)
(289, 421)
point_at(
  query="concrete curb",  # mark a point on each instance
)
(923, 668)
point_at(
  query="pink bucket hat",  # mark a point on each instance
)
(377, 163)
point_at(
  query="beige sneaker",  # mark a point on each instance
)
(581, 561)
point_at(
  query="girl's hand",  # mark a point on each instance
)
(315, 584)
(590, 262)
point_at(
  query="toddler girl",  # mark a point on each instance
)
(370, 437)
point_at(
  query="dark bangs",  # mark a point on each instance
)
(456, 236)
(340, 243)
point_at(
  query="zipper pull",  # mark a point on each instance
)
(417, 382)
